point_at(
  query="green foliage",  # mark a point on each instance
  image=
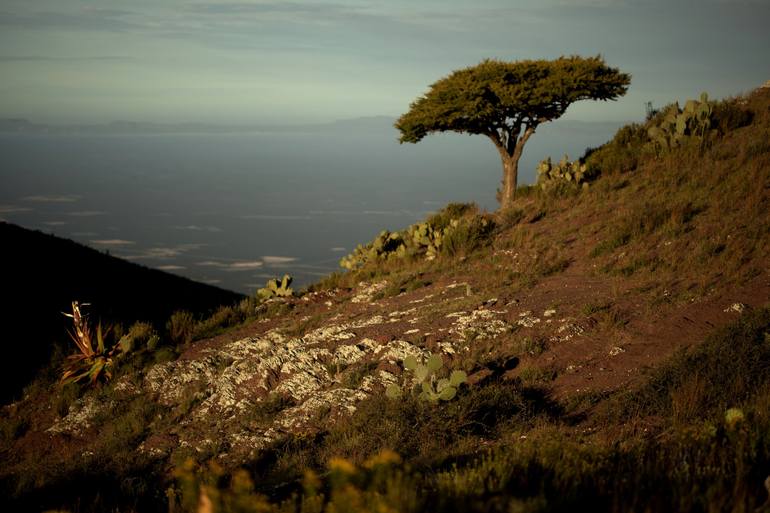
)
(674, 126)
(140, 334)
(506, 101)
(451, 212)
(180, 327)
(225, 317)
(380, 484)
(386, 245)
(666, 129)
(621, 154)
(431, 388)
(452, 230)
(492, 94)
(729, 115)
(93, 363)
(467, 235)
(276, 288)
(571, 174)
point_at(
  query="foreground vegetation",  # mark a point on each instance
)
(657, 231)
(709, 452)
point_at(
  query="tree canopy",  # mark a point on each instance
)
(506, 101)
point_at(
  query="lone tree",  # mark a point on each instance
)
(506, 101)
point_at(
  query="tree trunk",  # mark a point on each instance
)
(510, 157)
(510, 179)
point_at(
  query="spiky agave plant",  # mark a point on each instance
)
(91, 363)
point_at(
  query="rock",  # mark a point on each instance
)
(527, 320)
(367, 291)
(736, 307)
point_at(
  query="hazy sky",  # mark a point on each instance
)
(307, 60)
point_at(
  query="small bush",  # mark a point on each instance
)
(470, 234)
(139, 335)
(622, 154)
(180, 327)
(511, 217)
(224, 317)
(451, 211)
(729, 115)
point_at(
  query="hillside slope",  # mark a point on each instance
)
(604, 333)
(42, 274)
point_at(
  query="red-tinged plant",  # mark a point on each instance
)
(91, 363)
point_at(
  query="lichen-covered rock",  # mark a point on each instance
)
(80, 416)
(397, 350)
(527, 320)
(480, 323)
(367, 291)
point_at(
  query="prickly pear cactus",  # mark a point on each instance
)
(384, 246)
(425, 381)
(574, 173)
(418, 239)
(428, 239)
(676, 126)
(276, 288)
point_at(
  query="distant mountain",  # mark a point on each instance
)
(370, 124)
(41, 275)
(25, 126)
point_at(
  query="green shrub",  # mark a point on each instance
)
(621, 154)
(140, 334)
(729, 116)
(444, 217)
(276, 288)
(224, 317)
(180, 327)
(468, 235)
(95, 360)
(421, 239)
(563, 174)
(427, 384)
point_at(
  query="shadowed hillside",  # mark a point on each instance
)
(43, 274)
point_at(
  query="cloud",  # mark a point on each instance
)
(211, 263)
(196, 228)
(112, 242)
(232, 266)
(268, 7)
(278, 260)
(269, 217)
(54, 223)
(170, 267)
(244, 266)
(247, 265)
(79, 19)
(238, 265)
(52, 199)
(51, 58)
(87, 213)
(388, 213)
(9, 209)
(163, 252)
